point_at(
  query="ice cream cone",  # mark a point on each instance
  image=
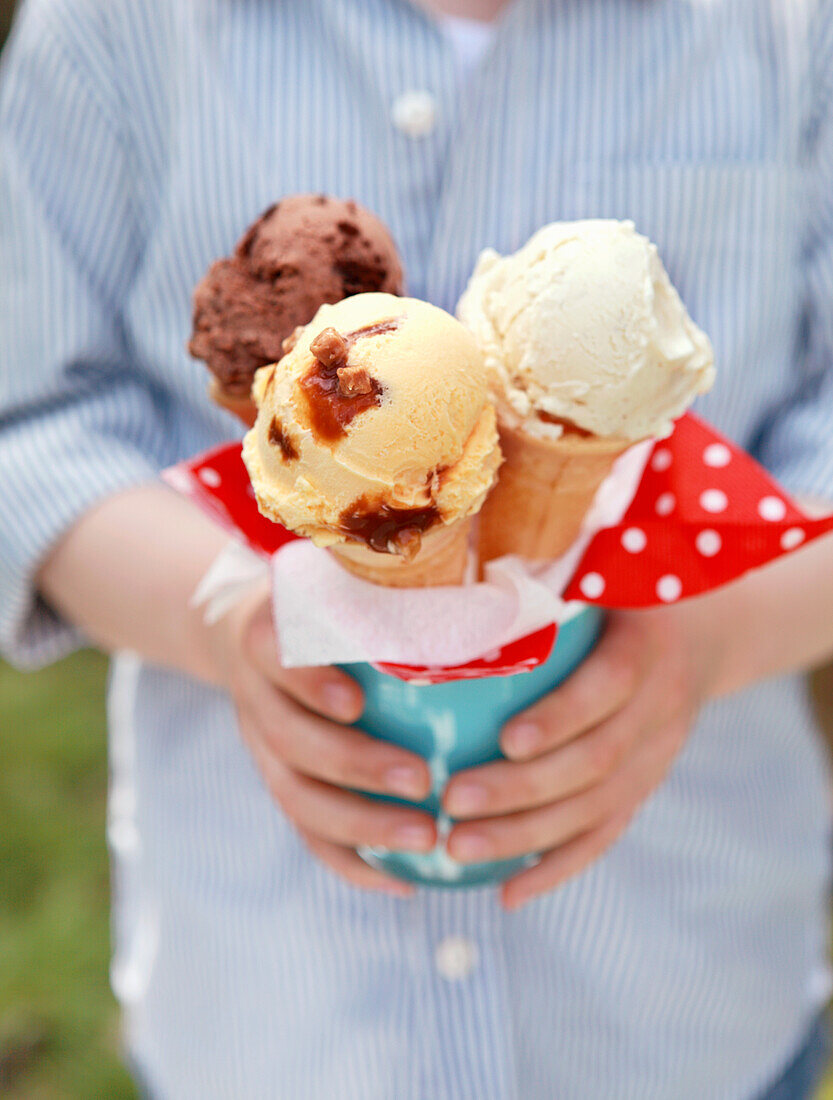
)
(543, 492)
(377, 439)
(243, 407)
(441, 559)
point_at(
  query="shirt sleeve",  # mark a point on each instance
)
(77, 420)
(796, 442)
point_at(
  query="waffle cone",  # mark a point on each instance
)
(544, 490)
(441, 559)
(242, 407)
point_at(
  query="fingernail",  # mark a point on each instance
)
(523, 739)
(466, 798)
(515, 903)
(472, 847)
(405, 780)
(340, 700)
(398, 890)
(415, 838)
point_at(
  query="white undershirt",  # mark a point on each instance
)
(470, 39)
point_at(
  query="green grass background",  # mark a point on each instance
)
(58, 1020)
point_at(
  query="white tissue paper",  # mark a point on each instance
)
(324, 615)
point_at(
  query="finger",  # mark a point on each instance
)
(527, 831)
(598, 688)
(563, 863)
(336, 754)
(507, 786)
(350, 866)
(345, 818)
(559, 822)
(325, 690)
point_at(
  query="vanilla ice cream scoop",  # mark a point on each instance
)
(581, 328)
(375, 427)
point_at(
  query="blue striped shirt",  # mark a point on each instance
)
(136, 142)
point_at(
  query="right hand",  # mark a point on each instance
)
(289, 718)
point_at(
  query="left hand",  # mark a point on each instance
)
(584, 758)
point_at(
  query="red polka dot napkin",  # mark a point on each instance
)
(219, 483)
(704, 514)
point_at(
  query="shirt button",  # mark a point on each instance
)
(455, 957)
(415, 113)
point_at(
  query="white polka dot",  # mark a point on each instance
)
(709, 543)
(661, 460)
(714, 500)
(634, 540)
(717, 454)
(791, 538)
(772, 508)
(209, 477)
(665, 505)
(250, 491)
(669, 588)
(592, 585)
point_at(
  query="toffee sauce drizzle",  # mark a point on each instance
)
(330, 409)
(386, 529)
(279, 438)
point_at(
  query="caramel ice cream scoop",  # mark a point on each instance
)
(375, 429)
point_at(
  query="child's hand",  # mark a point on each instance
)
(583, 759)
(288, 719)
(128, 590)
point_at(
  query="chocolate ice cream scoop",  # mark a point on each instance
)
(301, 253)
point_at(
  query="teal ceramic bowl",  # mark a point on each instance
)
(456, 726)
